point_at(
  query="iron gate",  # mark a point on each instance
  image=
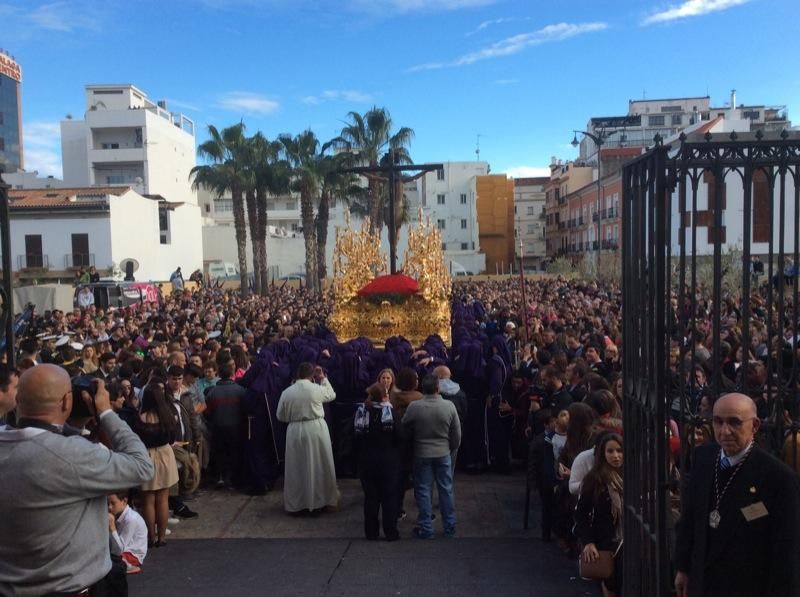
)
(711, 247)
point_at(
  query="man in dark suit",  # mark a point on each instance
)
(739, 533)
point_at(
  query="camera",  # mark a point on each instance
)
(80, 384)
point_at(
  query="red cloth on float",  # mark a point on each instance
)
(392, 284)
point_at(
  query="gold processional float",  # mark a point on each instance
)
(414, 303)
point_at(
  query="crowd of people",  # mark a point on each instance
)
(234, 392)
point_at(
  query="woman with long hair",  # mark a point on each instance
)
(387, 380)
(89, 362)
(156, 428)
(598, 515)
(241, 360)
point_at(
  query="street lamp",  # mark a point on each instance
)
(599, 139)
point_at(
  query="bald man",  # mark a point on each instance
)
(739, 533)
(53, 510)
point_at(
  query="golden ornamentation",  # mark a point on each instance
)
(358, 259)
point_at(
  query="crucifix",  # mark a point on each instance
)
(391, 170)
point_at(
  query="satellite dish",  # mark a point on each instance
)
(129, 266)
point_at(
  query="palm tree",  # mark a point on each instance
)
(226, 151)
(301, 154)
(370, 137)
(271, 177)
(335, 184)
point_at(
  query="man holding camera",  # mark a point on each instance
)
(53, 510)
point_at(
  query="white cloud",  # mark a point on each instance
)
(518, 43)
(332, 95)
(408, 6)
(691, 8)
(489, 23)
(526, 171)
(61, 16)
(250, 103)
(41, 142)
(506, 81)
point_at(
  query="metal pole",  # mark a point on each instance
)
(6, 291)
(392, 233)
(524, 296)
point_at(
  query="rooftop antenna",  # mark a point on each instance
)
(478, 148)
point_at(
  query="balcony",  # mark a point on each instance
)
(596, 216)
(562, 225)
(78, 260)
(595, 245)
(33, 261)
(126, 155)
(581, 221)
(609, 245)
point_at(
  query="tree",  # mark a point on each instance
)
(301, 154)
(227, 153)
(369, 138)
(336, 184)
(270, 176)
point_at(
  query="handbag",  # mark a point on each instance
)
(602, 568)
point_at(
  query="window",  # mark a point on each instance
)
(2, 144)
(464, 246)
(463, 224)
(463, 196)
(110, 145)
(208, 208)
(655, 120)
(751, 114)
(440, 224)
(440, 174)
(530, 210)
(80, 251)
(440, 199)
(295, 227)
(677, 119)
(671, 109)
(33, 251)
(1, 119)
(531, 229)
(444, 246)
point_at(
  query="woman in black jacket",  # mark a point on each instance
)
(379, 445)
(598, 515)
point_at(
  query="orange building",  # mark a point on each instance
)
(495, 199)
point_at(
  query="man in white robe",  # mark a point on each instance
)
(309, 481)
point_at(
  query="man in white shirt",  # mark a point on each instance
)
(128, 532)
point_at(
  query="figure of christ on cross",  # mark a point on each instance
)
(389, 173)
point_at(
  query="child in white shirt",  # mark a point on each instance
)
(128, 539)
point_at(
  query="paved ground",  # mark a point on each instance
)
(245, 546)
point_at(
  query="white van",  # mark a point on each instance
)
(222, 270)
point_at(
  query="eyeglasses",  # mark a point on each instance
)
(732, 422)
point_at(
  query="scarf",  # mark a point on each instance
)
(615, 493)
(361, 421)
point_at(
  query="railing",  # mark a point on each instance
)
(596, 216)
(32, 261)
(609, 244)
(581, 221)
(562, 225)
(78, 260)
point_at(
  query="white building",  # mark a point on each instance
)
(529, 221)
(128, 140)
(449, 198)
(31, 180)
(55, 232)
(668, 117)
(285, 247)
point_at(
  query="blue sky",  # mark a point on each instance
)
(522, 74)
